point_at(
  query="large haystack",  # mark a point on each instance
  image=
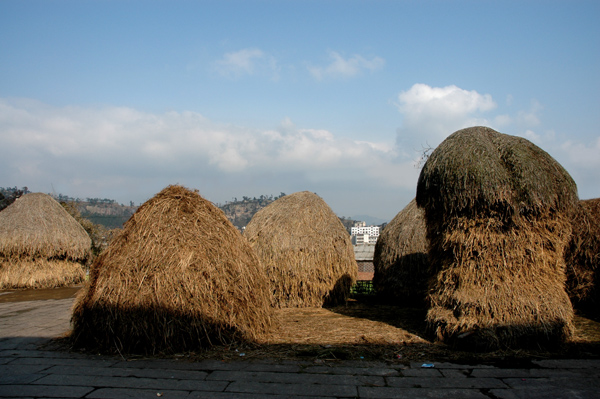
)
(41, 245)
(582, 257)
(305, 250)
(401, 265)
(178, 277)
(496, 208)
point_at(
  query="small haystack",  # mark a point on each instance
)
(41, 245)
(178, 277)
(401, 265)
(305, 250)
(497, 208)
(583, 257)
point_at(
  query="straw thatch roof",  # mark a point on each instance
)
(400, 259)
(305, 251)
(582, 257)
(496, 208)
(178, 277)
(41, 245)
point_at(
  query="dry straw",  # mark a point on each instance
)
(178, 277)
(497, 208)
(582, 257)
(400, 259)
(41, 245)
(305, 251)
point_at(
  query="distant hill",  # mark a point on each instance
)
(370, 220)
(240, 212)
(112, 215)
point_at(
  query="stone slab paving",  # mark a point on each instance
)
(27, 370)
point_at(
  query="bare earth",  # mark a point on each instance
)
(362, 329)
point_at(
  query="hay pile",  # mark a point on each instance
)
(41, 245)
(305, 251)
(582, 257)
(497, 208)
(400, 259)
(178, 277)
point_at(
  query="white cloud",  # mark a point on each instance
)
(582, 161)
(532, 136)
(450, 101)
(339, 67)
(249, 61)
(430, 114)
(117, 149)
(531, 117)
(502, 120)
(509, 99)
(583, 154)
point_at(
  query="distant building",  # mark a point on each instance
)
(364, 261)
(363, 239)
(364, 234)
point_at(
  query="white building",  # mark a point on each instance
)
(372, 231)
(362, 239)
(362, 234)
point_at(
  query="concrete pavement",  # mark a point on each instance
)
(28, 370)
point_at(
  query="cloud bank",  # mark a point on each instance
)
(115, 149)
(430, 114)
(126, 154)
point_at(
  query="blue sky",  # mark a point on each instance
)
(117, 99)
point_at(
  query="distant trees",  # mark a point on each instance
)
(261, 198)
(96, 201)
(8, 195)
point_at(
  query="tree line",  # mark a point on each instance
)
(253, 199)
(8, 195)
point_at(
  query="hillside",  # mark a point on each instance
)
(240, 212)
(110, 214)
(113, 215)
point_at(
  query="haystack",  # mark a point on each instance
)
(400, 259)
(582, 257)
(178, 277)
(305, 251)
(496, 208)
(41, 245)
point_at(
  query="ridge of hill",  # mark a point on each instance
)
(240, 212)
(112, 215)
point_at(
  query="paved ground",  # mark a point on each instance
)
(27, 370)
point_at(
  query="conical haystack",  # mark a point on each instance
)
(305, 251)
(41, 245)
(497, 208)
(401, 265)
(178, 277)
(582, 257)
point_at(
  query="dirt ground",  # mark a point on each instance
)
(367, 330)
(363, 329)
